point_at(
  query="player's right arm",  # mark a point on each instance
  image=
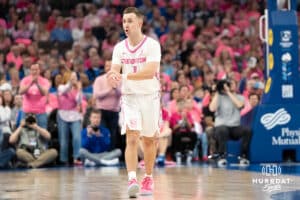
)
(112, 75)
(116, 66)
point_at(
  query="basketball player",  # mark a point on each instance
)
(139, 58)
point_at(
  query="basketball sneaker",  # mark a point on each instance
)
(133, 188)
(222, 162)
(243, 161)
(147, 186)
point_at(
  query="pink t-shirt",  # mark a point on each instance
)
(33, 100)
(10, 57)
(52, 103)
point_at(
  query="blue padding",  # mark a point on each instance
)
(233, 150)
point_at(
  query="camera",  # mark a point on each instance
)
(220, 85)
(95, 128)
(30, 119)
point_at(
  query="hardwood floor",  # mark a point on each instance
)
(195, 183)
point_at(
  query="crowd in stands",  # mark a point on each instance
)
(55, 104)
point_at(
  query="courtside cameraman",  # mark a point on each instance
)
(227, 104)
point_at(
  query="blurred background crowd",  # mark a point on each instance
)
(52, 53)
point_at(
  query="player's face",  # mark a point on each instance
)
(131, 24)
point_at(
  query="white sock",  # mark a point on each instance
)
(131, 175)
(146, 175)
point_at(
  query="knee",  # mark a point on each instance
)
(19, 151)
(53, 152)
(77, 138)
(149, 141)
(132, 139)
(221, 131)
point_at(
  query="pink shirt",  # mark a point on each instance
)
(68, 100)
(33, 100)
(10, 57)
(52, 103)
(106, 97)
(175, 117)
(196, 112)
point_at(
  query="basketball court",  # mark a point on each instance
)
(179, 182)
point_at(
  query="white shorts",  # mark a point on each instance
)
(141, 113)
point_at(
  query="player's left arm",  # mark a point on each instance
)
(148, 72)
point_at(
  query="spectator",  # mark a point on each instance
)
(31, 141)
(17, 111)
(20, 31)
(227, 105)
(91, 19)
(183, 138)
(248, 117)
(108, 101)
(59, 33)
(110, 42)
(96, 143)
(5, 116)
(14, 80)
(163, 138)
(96, 69)
(6, 151)
(14, 56)
(8, 101)
(5, 41)
(34, 89)
(78, 30)
(88, 40)
(41, 34)
(69, 118)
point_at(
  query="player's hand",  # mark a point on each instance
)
(113, 78)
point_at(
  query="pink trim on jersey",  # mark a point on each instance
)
(134, 50)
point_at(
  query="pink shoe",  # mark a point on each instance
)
(147, 186)
(133, 188)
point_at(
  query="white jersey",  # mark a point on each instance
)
(133, 59)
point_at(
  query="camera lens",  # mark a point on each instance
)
(95, 128)
(30, 119)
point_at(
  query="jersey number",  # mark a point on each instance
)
(134, 69)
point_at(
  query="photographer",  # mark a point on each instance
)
(96, 144)
(31, 141)
(227, 105)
